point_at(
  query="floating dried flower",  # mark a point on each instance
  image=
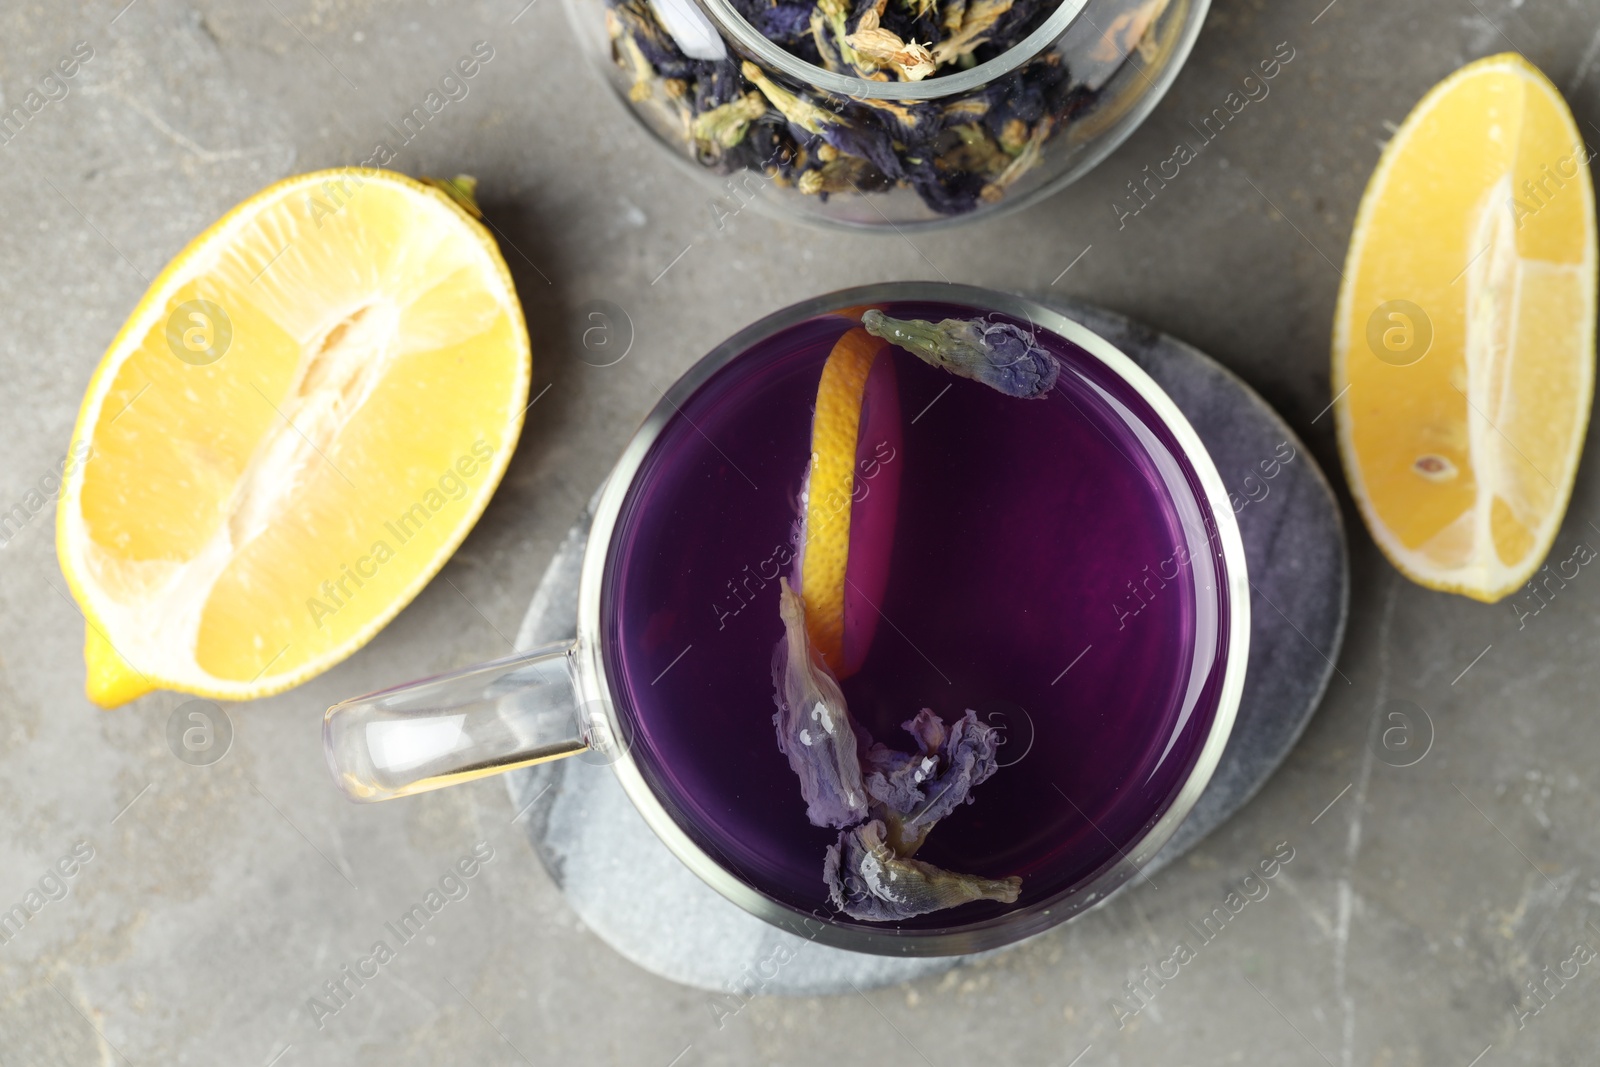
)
(868, 880)
(998, 354)
(813, 721)
(912, 793)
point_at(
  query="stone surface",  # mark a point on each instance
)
(1403, 932)
(626, 885)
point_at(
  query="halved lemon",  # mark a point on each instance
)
(299, 423)
(1464, 344)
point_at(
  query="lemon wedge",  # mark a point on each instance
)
(1464, 343)
(293, 431)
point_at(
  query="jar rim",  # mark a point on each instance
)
(728, 19)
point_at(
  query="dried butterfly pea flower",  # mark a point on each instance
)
(866, 142)
(725, 126)
(913, 123)
(785, 23)
(1027, 158)
(912, 795)
(800, 112)
(909, 59)
(937, 149)
(867, 880)
(814, 726)
(1016, 22)
(652, 40)
(975, 151)
(829, 28)
(909, 22)
(879, 46)
(978, 20)
(716, 83)
(845, 778)
(626, 49)
(894, 778)
(947, 190)
(766, 146)
(998, 354)
(843, 175)
(967, 110)
(1130, 31)
(955, 12)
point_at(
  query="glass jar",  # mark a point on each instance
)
(1023, 99)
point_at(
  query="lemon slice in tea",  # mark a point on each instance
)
(849, 499)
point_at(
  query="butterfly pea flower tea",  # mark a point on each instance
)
(854, 633)
(927, 709)
(890, 112)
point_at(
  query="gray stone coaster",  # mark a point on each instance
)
(632, 892)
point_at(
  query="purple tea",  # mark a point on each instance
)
(1052, 566)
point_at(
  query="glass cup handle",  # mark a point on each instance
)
(459, 726)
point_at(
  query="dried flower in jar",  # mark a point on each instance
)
(956, 154)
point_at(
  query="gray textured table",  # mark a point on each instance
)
(1420, 898)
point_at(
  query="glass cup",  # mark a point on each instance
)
(1091, 602)
(834, 148)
